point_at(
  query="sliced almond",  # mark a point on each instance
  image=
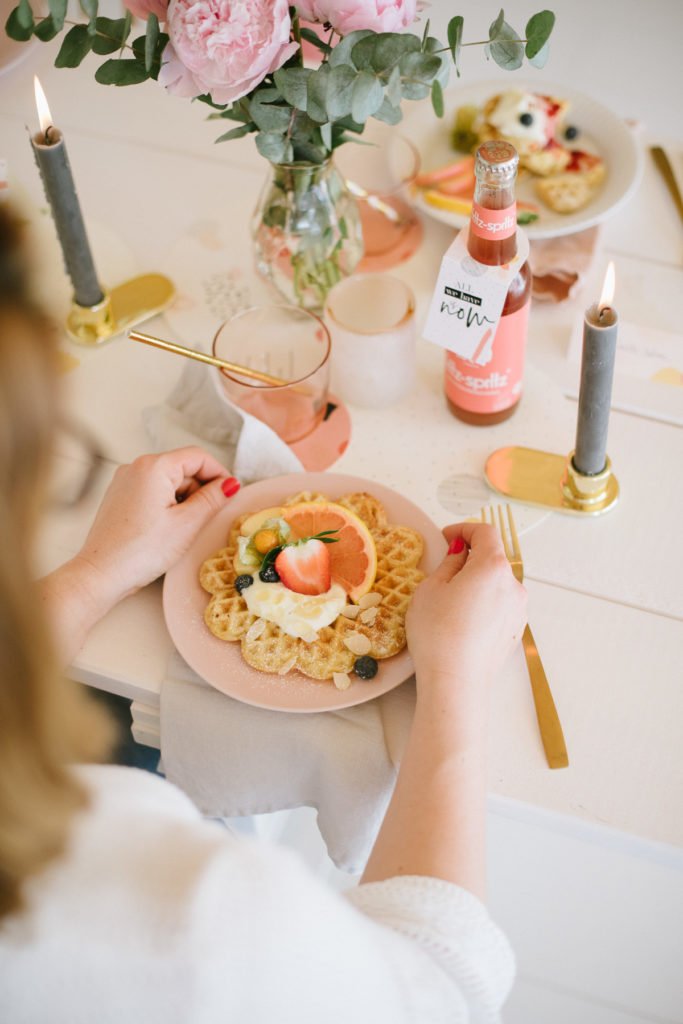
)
(255, 630)
(351, 611)
(358, 644)
(287, 667)
(368, 616)
(370, 600)
(341, 680)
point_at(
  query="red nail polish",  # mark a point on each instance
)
(230, 486)
(456, 546)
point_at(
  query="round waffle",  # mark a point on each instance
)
(268, 649)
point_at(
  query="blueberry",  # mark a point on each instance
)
(526, 119)
(365, 667)
(269, 574)
(242, 582)
(571, 132)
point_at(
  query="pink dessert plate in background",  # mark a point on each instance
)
(220, 663)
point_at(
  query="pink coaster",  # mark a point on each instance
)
(387, 246)
(328, 441)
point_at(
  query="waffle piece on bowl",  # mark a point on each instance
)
(375, 626)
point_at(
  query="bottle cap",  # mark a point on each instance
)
(496, 158)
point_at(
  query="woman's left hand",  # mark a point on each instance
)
(152, 511)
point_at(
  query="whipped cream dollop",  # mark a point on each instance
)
(505, 117)
(297, 615)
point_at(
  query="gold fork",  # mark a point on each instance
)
(546, 712)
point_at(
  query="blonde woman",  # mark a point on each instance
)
(117, 902)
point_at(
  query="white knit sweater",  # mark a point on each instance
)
(157, 916)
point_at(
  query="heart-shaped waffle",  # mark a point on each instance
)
(267, 648)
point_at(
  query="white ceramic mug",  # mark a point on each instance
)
(371, 320)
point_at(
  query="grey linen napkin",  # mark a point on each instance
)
(197, 412)
(235, 760)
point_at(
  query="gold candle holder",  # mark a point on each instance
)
(121, 308)
(551, 481)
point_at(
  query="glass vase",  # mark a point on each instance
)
(307, 232)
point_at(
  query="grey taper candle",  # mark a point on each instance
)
(60, 191)
(597, 372)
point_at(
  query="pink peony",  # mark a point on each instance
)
(377, 15)
(143, 8)
(224, 47)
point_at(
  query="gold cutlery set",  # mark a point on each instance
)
(546, 712)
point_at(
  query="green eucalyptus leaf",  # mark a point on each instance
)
(349, 125)
(309, 152)
(435, 48)
(58, 12)
(497, 25)
(388, 113)
(538, 30)
(506, 48)
(274, 147)
(417, 72)
(393, 91)
(268, 117)
(19, 26)
(367, 96)
(292, 83)
(318, 92)
(341, 54)
(340, 91)
(455, 26)
(540, 59)
(46, 29)
(151, 37)
(326, 135)
(89, 7)
(312, 37)
(227, 111)
(437, 98)
(383, 51)
(121, 72)
(237, 133)
(75, 46)
(109, 35)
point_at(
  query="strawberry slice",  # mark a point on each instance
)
(305, 568)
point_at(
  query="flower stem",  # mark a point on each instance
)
(296, 32)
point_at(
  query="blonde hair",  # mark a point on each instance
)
(46, 724)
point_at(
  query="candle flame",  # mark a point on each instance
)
(44, 115)
(607, 288)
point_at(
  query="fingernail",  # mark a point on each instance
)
(456, 546)
(230, 486)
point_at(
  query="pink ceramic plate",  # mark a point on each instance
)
(221, 664)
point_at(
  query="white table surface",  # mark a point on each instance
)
(606, 600)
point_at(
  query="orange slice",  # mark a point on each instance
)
(353, 559)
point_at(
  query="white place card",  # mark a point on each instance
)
(468, 300)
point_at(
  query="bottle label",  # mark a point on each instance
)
(497, 384)
(493, 224)
(468, 300)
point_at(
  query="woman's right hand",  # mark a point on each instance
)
(466, 618)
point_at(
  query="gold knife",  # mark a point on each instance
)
(666, 170)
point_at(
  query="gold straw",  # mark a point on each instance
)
(191, 353)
